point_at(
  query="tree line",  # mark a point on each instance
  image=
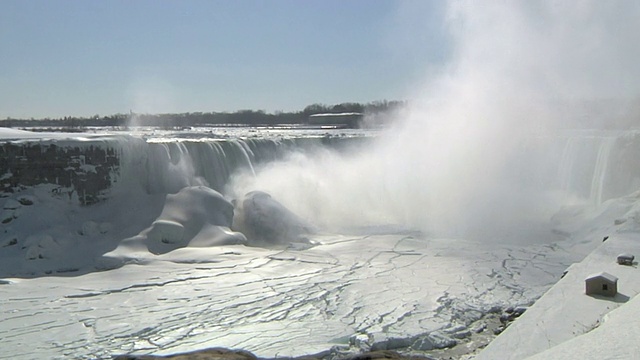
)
(241, 117)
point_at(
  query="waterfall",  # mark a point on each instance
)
(601, 169)
(172, 165)
(584, 167)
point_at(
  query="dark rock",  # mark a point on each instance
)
(382, 354)
(519, 310)
(480, 328)
(86, 172)
(26, 200)
(499, 330)
(266, 222)
(6, 216)
(393, 343)
(505, 318)
(208, 354)
(11, 242)
(226, 354)
(462, 334)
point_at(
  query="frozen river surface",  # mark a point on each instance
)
(383, 290)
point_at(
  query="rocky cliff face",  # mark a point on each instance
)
(83, 173)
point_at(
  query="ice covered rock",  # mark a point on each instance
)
(265, 221)
(435, 340)
(7, 216)
(426, 342)
(41, 247)
(479, 328)
(423, 344)
(393, 343)
(11, 209)
(510, 314)
(213, 353)
(196, 216)
(9, 241)
(462, 334)
(26, 200)
(168, 232)
(227, 354)
(361, 341)
(92, 228)
(11, 204)
(105, 227)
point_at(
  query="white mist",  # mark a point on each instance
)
(464, 160)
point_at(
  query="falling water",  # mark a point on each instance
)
(600, 171)
(585, 167)
(567, 163)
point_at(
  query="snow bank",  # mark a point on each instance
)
(10, 134)
(615, 338)
(565, 314)
(194, 217)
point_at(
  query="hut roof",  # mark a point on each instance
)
(604, 275)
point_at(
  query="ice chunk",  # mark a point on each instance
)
(165, 231)
(41, 247)
(196, 216)
(11, 204)
(26, 200)
(265, 221)
(90, 228)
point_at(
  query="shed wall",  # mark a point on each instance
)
(595, 287)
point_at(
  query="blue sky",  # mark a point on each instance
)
(102, 57)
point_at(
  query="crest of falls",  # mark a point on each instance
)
(166, 166)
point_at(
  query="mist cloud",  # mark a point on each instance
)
(457, 164)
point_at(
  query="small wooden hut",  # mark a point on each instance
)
(601, 284)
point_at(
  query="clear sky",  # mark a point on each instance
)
(80, 58)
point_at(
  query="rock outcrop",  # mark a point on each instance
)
(227, 354)
(84, 173)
